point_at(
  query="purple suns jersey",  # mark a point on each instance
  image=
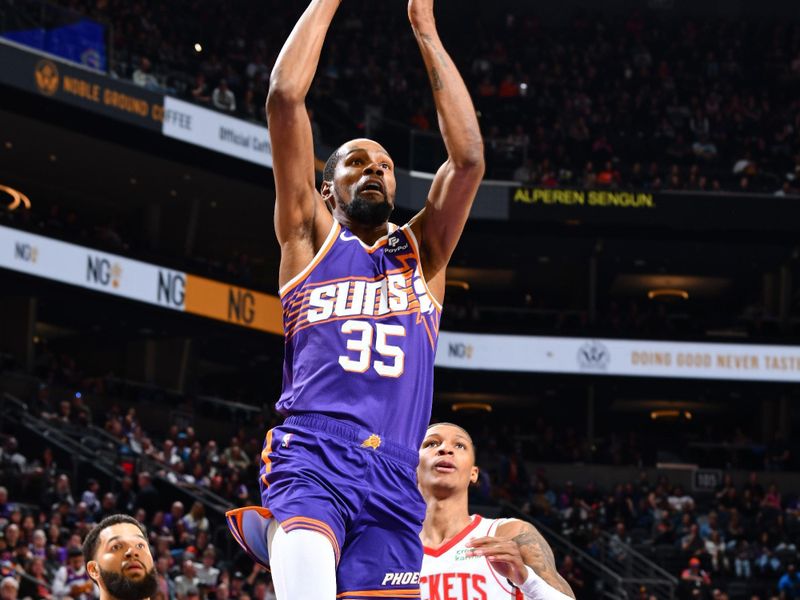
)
(361, 329)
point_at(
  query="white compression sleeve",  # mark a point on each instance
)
(303, 565)
(536, 588)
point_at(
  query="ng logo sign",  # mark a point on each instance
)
(460, 350)
(103, 271)
(26, 252)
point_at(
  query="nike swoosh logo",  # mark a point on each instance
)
(347, 238)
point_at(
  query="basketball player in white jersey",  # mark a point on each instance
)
(466, 556)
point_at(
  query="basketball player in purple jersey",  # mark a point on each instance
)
(361, 304)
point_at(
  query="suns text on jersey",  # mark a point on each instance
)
(395, 293)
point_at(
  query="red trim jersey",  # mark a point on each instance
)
(449, 573)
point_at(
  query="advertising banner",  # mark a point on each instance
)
(83, 88)
(637, 358)
(218, 132)
(681, 210)
(41, 256)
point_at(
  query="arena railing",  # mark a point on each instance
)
(102, 453)
(83, 455)
(60, 438)
(636, 569)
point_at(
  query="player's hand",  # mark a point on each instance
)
(420, 11)
(504, 555)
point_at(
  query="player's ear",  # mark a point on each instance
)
(326, 190)
(93, 570)
(473, 476)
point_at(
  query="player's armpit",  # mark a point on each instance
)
(536, 553)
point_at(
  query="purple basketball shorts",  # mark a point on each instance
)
(358, 490)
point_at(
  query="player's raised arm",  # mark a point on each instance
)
(298, 206)
(457, 181)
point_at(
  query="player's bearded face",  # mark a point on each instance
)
(368, 212)
(124, 588)
(367, 209)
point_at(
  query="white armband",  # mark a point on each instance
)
(536, 588)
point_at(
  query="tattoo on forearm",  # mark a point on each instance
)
(531, 543)
(436, 80)
(428, 39)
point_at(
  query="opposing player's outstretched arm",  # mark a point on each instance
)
(456, 183)
(298, 204)
(517, 545)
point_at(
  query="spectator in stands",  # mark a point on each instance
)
(789, 583)
(771, 506)
(196, 520)
(187, 580)
(212, 451)
(715, 548)
(108, 507)
(126, 497)
(37, 584)
(169, 454)
(222, 592)
(173, 518)
(742, 559)
(148, 497)
(237, 589)
(5, 507)
(72, 580)
(680, 501)
(691, 543)
(573, 575)
(207, 573)
(753, 486)
(694, 577)
(38, 545)
(192, 593)
(709, 525)
(9, 588)
(765, 559)
(59, 492)
(200, 90)
(223, 98)
(235, 457)
(143, 77)
(263, 590)
(618, 544)
(165, 582)
(526, 172)
(89, 497)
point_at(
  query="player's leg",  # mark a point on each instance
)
(303, 565)
(382, 553)
(309, 489)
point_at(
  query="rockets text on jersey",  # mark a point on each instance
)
(451, 573)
